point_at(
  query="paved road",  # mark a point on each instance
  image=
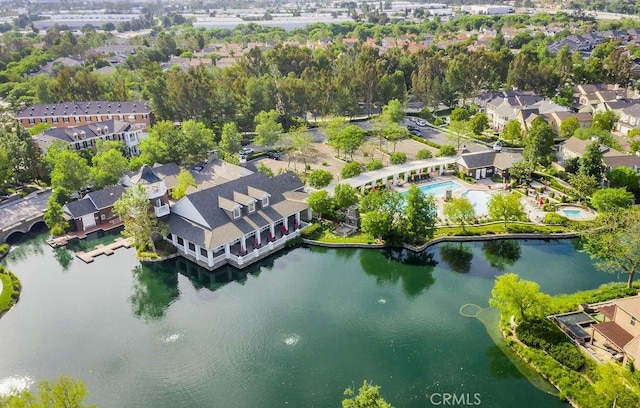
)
(30, 206)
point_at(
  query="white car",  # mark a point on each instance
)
(245, 151)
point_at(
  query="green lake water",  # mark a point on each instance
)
(293, 331)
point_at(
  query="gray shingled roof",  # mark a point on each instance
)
(84, 108)
(106, 197)
(145, 175)
(90, 131)
(223, 228)
(478, 160)
(79, 208)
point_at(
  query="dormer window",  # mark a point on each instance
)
(251, 207)
(265, 201)
(236, 213)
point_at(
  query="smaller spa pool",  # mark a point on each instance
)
(573, 213)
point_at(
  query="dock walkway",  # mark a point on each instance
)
(101, 249)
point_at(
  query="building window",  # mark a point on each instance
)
(265, 201)
(32, 121)
(252, 207)
(55, 119)
(180, 241)
(65, 120)
(103, 217)
(633, 321)
(236, 213)
(192, 246)
(204, 252)
(76, 119)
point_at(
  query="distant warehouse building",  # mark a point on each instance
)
(488, 9)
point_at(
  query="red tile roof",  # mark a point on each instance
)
(616, 334)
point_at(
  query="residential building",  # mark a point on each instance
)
(501, 107)
(85, 136)
(619, 333)
(68, 114)
(240, 221)
(484, 164)
(574, 147)
(629, 118)
(95, 210)
(556, 119)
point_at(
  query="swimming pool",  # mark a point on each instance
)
(439, 189)
(479, 199)
(572, 213)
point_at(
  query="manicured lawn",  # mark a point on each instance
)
(357, 238)
(10, 289)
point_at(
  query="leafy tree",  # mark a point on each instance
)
(584, 185)
(398, 158)
(268, 130)
(479, 123)
(350, 170)
(618, 385)
(604, 120)
(419, 215)
(265, 169)
(344, 196)
(231, 139)
(381, 201)
(460, 211)
(612, 199)
(458, 132)
(519, 298)
(393, 111)
(614, 241)
(447, 150)
(5, 168)
(591, 162)
(299, 142)
(23, 155)
(54, 217)
(519, 171)
(572, 165)
(321, 202)
(70, 170)
(65, 392)
(538, 146)
(108, 167)
(568, 127)
(319, 178)
(185, 179)
(368, 397)
(377, 223)
(334, 131)
(39, 128)
(374, 165)
(194, 142)
(395, 133)
(423, 154)
(506, 207)
(460, 115)
(625, 177)
(140, 222)
(512, 131)
(351, 138)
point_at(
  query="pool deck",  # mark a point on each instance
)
(102, 249)
(587, 213)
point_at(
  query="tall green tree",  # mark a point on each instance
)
(613, 242)
(54, 218)
(107, 167)
(140, 222)
(460, 211)
(591, 162)
(612, 199)
(319, 178)
(344, 196)
(321, 202)
(393, 112)
(185, 180)
(625, 177)
(231, 139)
(512, 131)
(268, 130)
(519, 298)
(506, 207)
(568, 127)
(538, 145)
(368, 397)
(419, 216)
(70, 170)
(604, 120)
(65, 392)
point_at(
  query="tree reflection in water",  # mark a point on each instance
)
(155, 287)
(415, 270)
(502, 253)
(64, 257)
(457, 256)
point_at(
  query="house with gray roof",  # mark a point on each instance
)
(86, 136)
(479, 165)
(95, 210)
(240, 221)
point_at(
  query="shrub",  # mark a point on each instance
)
(447, 150)
(351, 170)
(4, 248)
(555, 218)
(147, 255)
(543, 334)
(374, 165)
(324, 163)
(10, 289)
(438, 122)
(398, 158)
(424, 154)
(309, 230)
(319, 178)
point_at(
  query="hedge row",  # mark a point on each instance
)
(547, 336)
(424, 141)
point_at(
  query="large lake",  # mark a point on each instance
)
(294, 331)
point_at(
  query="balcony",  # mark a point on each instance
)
(162, 210)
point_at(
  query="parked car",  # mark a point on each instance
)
(274, 155)
(245, 151)
(421, 122)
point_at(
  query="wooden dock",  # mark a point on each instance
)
(101, 249)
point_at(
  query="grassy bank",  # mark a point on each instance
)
(10, 289)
